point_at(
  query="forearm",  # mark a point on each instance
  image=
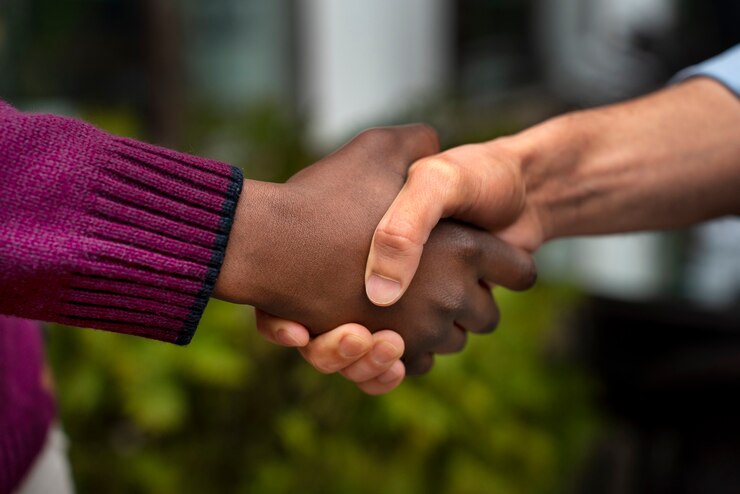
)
(666, 160)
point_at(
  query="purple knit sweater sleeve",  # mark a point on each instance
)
(105, 232)
(26, 407)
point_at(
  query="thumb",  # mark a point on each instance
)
(398, 241)
(477, 183)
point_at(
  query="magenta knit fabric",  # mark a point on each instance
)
(101, 232)
(26, 409)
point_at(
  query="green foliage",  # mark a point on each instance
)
(232, 413)
(264, 139)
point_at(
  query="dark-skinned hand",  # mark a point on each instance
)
(298, 251)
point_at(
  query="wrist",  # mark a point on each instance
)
(551, 158)
(243, 278)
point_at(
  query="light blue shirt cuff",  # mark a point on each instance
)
(724, 68)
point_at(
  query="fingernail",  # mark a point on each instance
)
(384, 353)
(286, 338)
(382, 291)
(351, 346)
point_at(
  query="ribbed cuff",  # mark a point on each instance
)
(157, 227)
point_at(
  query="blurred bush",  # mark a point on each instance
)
(232, 413)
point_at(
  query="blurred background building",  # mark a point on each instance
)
(636, 338)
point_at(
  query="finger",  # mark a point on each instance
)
(418, 364)
(526, 233)
(501, 264)
(281, 331)
(455, 342)
(414, 141)
(338, 348)
(386, 382)
(417, 141)
(398, 241)
(387, 350)
(482, 314)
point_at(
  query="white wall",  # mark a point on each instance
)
(365, 61)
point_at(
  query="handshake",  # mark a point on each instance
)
(341, 242)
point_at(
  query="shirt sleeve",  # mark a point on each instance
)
(105, 232)
(724, 68)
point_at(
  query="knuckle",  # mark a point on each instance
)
(378, 136)
(440, 170)
(460, 242)
(396, 236)
(356, 374)
(322, 365)
(447, 304)
(431, 134)
(468, 247)
(452, 300)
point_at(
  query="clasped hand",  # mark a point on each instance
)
(298, 252)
